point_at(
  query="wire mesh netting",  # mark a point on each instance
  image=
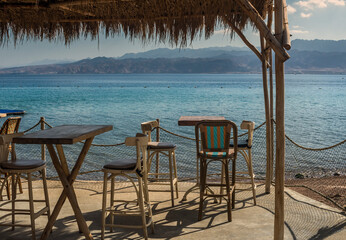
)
(317, 173)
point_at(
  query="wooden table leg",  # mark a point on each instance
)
(67, 181)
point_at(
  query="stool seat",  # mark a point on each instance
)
(161, 145)
(244, 143)
(22, 164)
(122, 164)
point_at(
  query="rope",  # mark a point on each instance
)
(177, 135)
(193, 139)
(32, 127)
(107, 145)
(47, 123)
(315, 149)
(312, 149)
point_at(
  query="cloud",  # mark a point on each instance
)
(305, 15)
(297, 31)
(290, 9)
(312, 4)
(337, 2)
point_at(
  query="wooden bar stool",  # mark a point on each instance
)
(124, 167)
(244, 148)
(212, 145)
(167, 149)
(10, 126)
(14, 168)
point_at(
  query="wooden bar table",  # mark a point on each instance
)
(66, 134)
(192, 121)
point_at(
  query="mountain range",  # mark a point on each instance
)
(307, 56)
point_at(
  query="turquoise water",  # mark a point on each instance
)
(315, 104)
(314, 115)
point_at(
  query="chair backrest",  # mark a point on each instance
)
(250, 126)
(10, 126)
(5, 141)
(147, 128)
(141, 143)
(214, 136)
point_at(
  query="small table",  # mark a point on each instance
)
(192, 121)
(66, 134)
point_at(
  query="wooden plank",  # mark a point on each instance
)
(193, 120)
(65, 134)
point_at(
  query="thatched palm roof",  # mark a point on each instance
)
(175, 21)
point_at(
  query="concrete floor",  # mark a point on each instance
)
(304, 217)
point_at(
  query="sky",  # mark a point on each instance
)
(308, 19)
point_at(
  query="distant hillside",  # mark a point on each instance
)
(304, 59)
(319, 45)
(189, 53)
(156, 65)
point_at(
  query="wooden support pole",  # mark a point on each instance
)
(286, 38)
(267, 112)
(43, 147)
(256, 18)
(271, 86)
(269, 55)
(157, 154)
(280, 129)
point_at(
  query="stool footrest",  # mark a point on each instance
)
(128, 226)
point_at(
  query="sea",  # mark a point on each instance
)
(315, 105)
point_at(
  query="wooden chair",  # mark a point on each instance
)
(244, 148)
(124, 167)
(167, 149)
(10, 126)
(14, 167)
(212, 145)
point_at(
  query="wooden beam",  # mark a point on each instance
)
(279, 220)
(262, 27)
(242, 36)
